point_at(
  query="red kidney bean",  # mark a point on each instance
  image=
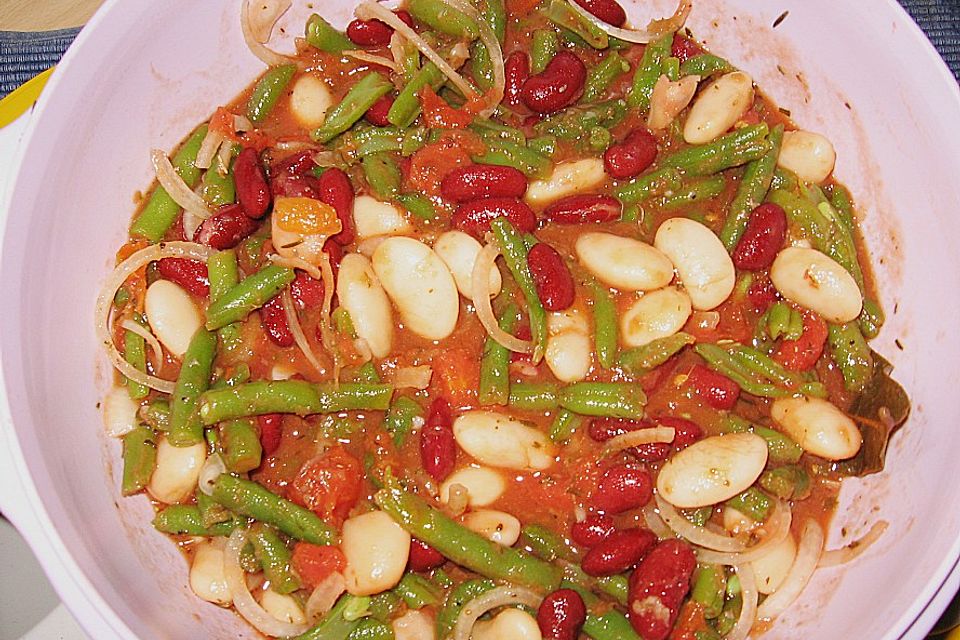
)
(253, 192)
(761, 240)
(622, 488)
(377, 114)
(582, 208)
(273, 319)
(630, 157)
(608, 11)
(557, 86)
(297, 164)
(336, 190)
(335, 251)
(658, 586)
(271, 431)
(561, 615)
(684, 48)
(516, 69)
(474, 217)
(716, 389)
(189, 274)
(603, 429)
(226, 228)
(762, 293)
(618, 552)
(593, 530)
(438, 448)
(686, 433)
(289, 186)
(306, 290)
(551, 277)
(369, 33)
(423, 557)
(475, 181)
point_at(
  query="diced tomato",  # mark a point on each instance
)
(801, 354)
(684, 48)
(271, 431)
(456, 375)
(314, 562)
(329, 484)
(691, 620)
(440, 115)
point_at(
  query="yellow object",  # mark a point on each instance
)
(953, 635)
(22, 98)
(306, 216)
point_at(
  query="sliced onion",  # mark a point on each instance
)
(325, 595)
(699, 536)
(496, 597)
(371, 10)
(656, 524)
(706, 320)
(271, 58)
(363, 56)
(242, 123)
(641, 436)
(297, 263)
(265, 16)
(413, 377)
(115, 281)
(853, 550)
(244, 602)
(653, 30)
(298, 336)
(223, 157)
(458, 499)
(748, 610)
(362, 347)
(143, 332)
(778, 528)
(808, 555)
(213, 467)
(667, 101)
(208, 148)
(480, 287)
(176, 188)
(326, 310)
(489, 39)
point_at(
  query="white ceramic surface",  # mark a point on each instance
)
(143, 73)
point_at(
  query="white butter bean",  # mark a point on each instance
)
(702, 262)
(484, 485)
(119, 412)
(420, 285)
(624, 263)
(809, 155)
(818, 426)
(172, 315)
(567, 179)
(569, 351)
(375, 218)
(655, 315)
(309, 100)
(718, 107)
(509, 623)
(500, 441)
(207, 578)
(772, 569)
(459, 252)
(414, 625)
(361, 294)
(496, 526)
(712, 470)
(376, 549)
(283, 608)
(817, 282)
(177, 471)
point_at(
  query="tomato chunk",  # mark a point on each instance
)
(314, 562)
(329, 484)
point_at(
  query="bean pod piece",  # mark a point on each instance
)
(608, 11)
(716, 389)
(253, 192)
(593, 530)
(561, 615)
(551, 277)
(423, 557)
(474, 217)
(516, 70)
(761, 240)
(226, 228)
(336, 190)
(438, 447)
(632, 156)
(582, 208)
(189, 274)
(622, 488)
(618, 552)
(557, 86)
(657, 588)
(475, 181)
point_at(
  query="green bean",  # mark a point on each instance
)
(778, 321)
(418, 205)
(641, 360)
(544, 145)
(785, 180)
(604, 325)
(250, 294)
(564, 424)
(463, 546)
(417, 591)
(790, 482)
(194, 379)
(161, 211)
(671, 68)
(840, 243)
(367, 373)
(842, 201)
(509, 154)
(804, 214)
(850, 352)
(544, 543)
(217, 188)
(722, 361)
(615, 586)
(574, 123)
(268, 90)
(139, 460)
(401, 418)
(135, 352)
(727, 619)
(156, 414)
(705, 64)
(709, 588)
(320, 34)
(480, 65)
(490, 130)
(699, 516)
(753, 188)
(544, 46)
(384, 605)
(413, 140)
(249, 499)
(370, 629)
(342, 323)
(494, 13)
(794, 325)
(599, 138)
(871, 319)
(730, 150)
(693, 192)
(533, 396)
(241, 445)
(335, 625)
(382, 174)
(292, 396)
(223, 273)
(181, 519)
(239, 375)
(753, 503)
(211, 512)
(406, 107)
(358, 100)
(656, 182)
(495, 363)
(274, 557)
(566, 17)
(648, 71)
(441, 17)
(379, 145)
(604, 399)
(763, 365)
(515, 255)
(456, 599)
(612, 625)
(601, 76)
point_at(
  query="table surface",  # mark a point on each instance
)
(45, 15)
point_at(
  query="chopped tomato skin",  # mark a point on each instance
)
(801, 354)
(314, 562)
(329, 484)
